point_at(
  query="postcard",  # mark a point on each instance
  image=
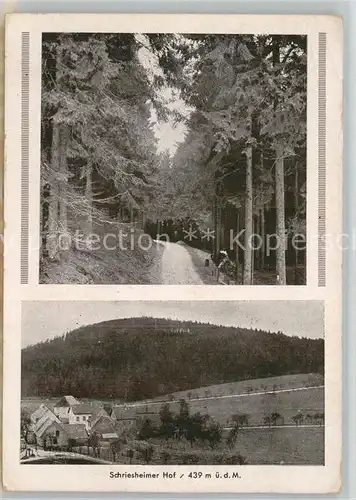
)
(173, 249)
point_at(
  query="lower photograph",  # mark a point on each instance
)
(172, 382)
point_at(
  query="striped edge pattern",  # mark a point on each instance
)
(322, 160)
(25, 147)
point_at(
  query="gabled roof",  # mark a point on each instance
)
(103, 425)
(48, 415)
(83, 409)
(39, 412)
(97, 414)
(67, 401)
(75, 431)
(46, 425)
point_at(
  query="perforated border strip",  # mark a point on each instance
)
(322, 160)
(25, 150)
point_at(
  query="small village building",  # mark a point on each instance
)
(99, 412)
(76, 433)
(105, 428)
(62, 436)
(38, 413)
(49, 416)
(80, 414)
(62, 407)
(51, 435)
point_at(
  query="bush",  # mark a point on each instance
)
(165, 457)
(189, 459)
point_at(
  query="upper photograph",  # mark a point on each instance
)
(173, 159)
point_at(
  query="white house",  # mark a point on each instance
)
(80, 414)
(62, 408)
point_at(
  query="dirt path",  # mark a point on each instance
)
(175, 267)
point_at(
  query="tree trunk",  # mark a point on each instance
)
(63, 169)
(263, 228)
(296, 206)
(280, 218)
(252, 250)
(53, 208)
(89, 199)
(247, 279)
(263, 236)
(222, 226)
(237, 246)
(218, 225)
(215, 224)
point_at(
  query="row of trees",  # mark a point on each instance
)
(183, 425)
(99, 154)
(242, 165)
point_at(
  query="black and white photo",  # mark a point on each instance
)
(173, 235)
(173, 383)
(173, 159)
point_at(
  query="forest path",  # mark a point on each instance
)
(176, 266)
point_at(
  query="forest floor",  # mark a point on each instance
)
(208, 273)
(260, 276)
(103, 266)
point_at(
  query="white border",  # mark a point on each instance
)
(291, 479)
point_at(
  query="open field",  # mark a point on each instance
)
(254, 397)
(257, 443)
(275, 446)
(306, 401)
(293, 446)
(286, 395)
(253, 385)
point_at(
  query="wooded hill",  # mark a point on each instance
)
(138, 358)
(241, 166)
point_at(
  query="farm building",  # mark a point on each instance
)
(41, 414)
(47, 417)
(62, 436)
(80, 414)
(50, 434)
(38, 413)
(99, 412)
(76, 433)
(62, 407)
(105, 428)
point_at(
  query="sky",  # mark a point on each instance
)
(43, 320)
(168, 134)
